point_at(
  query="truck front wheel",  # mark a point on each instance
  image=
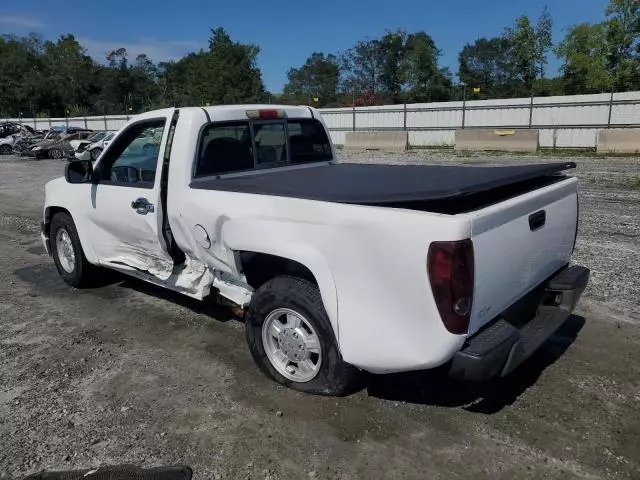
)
(67, 252)
(291, 339)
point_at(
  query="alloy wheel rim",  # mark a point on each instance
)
(292, 345)
(66, 254)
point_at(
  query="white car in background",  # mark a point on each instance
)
(91, 148)
(7, 143)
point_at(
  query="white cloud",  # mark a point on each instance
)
(157, 50)
(20, 21)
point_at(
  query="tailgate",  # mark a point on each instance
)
(518, 244)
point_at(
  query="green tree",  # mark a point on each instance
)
(486, 64)
(584, 55)
(523, 42)
(424, 80)
(361, 67)
(236, 77)
(317, 78)
(392, 54)
(529, 48)
(21, 82)
(623, 42)
(544, 40)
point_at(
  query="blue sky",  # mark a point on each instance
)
(286, 31)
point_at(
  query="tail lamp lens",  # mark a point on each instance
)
(451, 270)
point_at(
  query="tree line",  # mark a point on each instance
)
(57, 78)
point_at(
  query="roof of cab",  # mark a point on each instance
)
(239, 112)
(220, 113)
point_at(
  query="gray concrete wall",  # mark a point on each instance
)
(385, 141)
(619, 140)
(508, 140)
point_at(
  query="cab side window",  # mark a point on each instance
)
(133, 159)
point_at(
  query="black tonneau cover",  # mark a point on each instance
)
(367, 184)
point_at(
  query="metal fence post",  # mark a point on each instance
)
(85, 123)
(105, 122)
(610, 108)
(531, 111)
(354, 111)
(464, 103)
(404, 111)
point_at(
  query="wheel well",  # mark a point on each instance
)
(49, 213)
(259, 268)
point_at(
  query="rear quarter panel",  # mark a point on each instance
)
(370, 264)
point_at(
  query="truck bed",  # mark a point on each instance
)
(388, 185)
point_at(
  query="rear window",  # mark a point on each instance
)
(226, 147)
(308, 141)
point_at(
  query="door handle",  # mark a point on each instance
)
(537, 220)
(142, 206)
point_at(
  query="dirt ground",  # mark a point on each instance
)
(127, 373)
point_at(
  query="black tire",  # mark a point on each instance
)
(83, 273)
(95, 153)
(55, 153)
(5, 149)
(335, 377)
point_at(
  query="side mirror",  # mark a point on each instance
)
(79, 171)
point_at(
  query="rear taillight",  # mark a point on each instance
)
(450, 266)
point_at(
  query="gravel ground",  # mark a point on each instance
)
(129, 373)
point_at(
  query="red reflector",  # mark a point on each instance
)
(451, 270)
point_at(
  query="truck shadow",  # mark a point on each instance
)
(208, 307)
(435, 388)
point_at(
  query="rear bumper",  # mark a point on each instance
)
(499, 348)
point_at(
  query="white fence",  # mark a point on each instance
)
(563, 121)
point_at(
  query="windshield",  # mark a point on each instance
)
(96, 136)
(52, 135)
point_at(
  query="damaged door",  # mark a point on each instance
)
(126, 213)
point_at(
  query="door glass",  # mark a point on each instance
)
(134, 159)
(271, 143)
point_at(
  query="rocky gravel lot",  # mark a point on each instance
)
(127, 373)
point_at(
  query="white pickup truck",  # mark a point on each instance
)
(337, 268)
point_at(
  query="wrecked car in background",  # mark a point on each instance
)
(57, 145)
(91, 148)
(7, 143)
(14, 137)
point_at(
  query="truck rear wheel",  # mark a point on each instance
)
(67, 252)
(291, 339)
